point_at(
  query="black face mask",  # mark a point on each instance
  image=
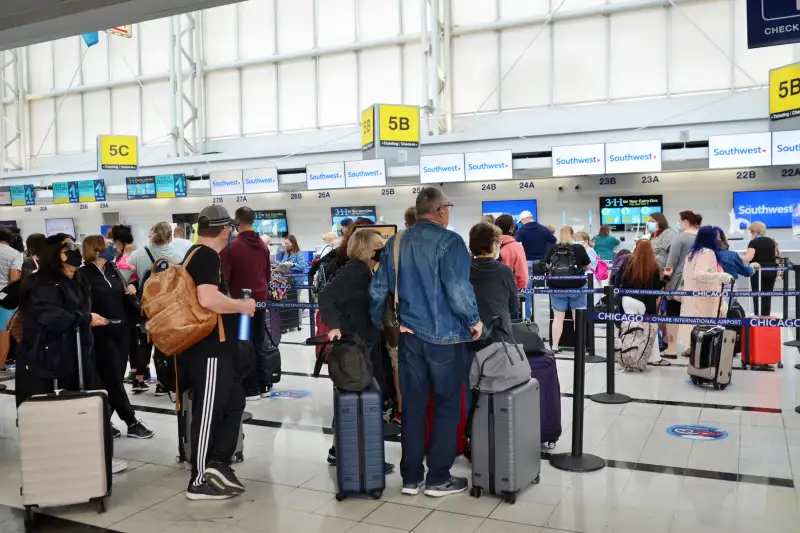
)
(73, 253)
(377, 255)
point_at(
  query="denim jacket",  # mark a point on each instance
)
(436, 298)
(299, 260)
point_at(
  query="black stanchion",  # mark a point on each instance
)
(592, 357)
(611, 395)
(577, 461)
(796, 342)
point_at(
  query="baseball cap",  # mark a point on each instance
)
(525, 214)
(214, 216)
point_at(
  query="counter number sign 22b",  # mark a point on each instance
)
(399, 126)
(118, 152)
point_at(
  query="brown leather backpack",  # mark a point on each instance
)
(175, 319)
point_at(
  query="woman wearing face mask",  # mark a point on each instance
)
(294, 262)
(122, 238)
(673, 269)
(55, 304)
(661, 237)
(762, 251)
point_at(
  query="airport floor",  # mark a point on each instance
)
(653, 482)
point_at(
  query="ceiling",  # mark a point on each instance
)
(24, 22)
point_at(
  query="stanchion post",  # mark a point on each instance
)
(785, 295)
(592, 357)
(796, 342)
(577, 461)
(611, 396)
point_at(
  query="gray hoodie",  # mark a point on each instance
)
(681, 245)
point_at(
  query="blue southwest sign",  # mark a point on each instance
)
(772, 22)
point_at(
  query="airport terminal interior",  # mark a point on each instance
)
(612, 117)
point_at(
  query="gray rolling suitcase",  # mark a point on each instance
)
(712, 352)
(185, 431)
(506, 441)
(65, 447)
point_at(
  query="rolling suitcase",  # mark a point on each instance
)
(505, 437)
(65, 447)
(737, 311)
(711, 359)
(761, 346)
(359, 442)
(461, 439)
(545, 372)
(185, 431)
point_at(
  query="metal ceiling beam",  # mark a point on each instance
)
(12, 111)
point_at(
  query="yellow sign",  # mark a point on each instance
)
(399, 126)
(118, 152)
(367, 128)
(784, 92)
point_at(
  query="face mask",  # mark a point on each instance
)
(377, 255)
(678, 227)
(497, 254)
(107, 254)
(577, 242)
(651, 226)
(74, 257)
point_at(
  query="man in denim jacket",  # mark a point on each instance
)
(438, 315)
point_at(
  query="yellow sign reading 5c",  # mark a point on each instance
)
(118, 152)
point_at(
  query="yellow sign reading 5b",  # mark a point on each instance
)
(399, 126)
(118, 152)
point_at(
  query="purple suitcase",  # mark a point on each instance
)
(543, 369)
(274, 324)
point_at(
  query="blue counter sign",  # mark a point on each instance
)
(22, 195)
(697, 432)
(772, 22)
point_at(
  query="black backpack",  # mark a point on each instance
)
(564, 263)
(349, 365)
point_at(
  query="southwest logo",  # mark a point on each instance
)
(788, 148)
(323, 176)
(364, 173)
(577, 160)
(225, 183)
(258, 181)
(441, 168)
(631, 157)
(739, 151)
(486, 166)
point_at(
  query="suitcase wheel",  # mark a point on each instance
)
(376, 494)
(538, 479)
(238, 457)
(475, 492)
(718, 386)
(101, 505)
(340, 497)
(29, 516)
(551, 445)
(780, 364)
(696, 381)
(510, 498)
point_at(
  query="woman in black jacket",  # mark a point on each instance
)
(111, 342)
(55, 305)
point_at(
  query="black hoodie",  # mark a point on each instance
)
(495, 293)
(246, 265)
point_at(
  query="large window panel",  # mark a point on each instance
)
(466, 12)
(97, 117)
(757, 62)
(295, 25)
(697, 65)
(222, 103)
(126, 113)
(259, 100)
(95, 65)
(573, 5)
(42, 112)
(297, 97)
(40, 67)
(580, 60)
(528, 84)
(337, 90)
(514, 9)
(412, 74)
(257, 28)
(155, 112)
(122, 56)
(68, 124)
(411, 16)
(381, 80)
(336, 22)
(378, 19)
(474, 72)
(156, 38)
(66, 59)
(220, 34)
(639, 54)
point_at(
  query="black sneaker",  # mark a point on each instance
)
(140, 387)
(209, 490)
(139, 431)
(115, 432)
(412, 489)
(160, 390)
(454, 485)
(222, 474)
(332, 456)
(130, 378)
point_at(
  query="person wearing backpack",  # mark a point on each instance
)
(566, 258)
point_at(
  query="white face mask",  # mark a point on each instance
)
(497, 252)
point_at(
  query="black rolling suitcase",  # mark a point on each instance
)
(290, 317)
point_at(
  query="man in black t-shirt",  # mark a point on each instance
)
(218, 400)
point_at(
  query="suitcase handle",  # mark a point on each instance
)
(81, 384)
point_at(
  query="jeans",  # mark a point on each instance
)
(425, 367)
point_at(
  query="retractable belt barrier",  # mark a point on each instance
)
(699, 320)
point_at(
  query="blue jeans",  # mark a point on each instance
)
(424, 367)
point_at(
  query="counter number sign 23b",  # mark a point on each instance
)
(118, 152)
(399, 126)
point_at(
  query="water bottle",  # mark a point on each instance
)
(244, 320)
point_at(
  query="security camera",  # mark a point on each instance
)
(560, 188)
(577, 187)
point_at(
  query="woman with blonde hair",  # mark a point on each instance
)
(762, 251)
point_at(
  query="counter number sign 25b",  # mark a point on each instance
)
(118, 152)
(398, 126)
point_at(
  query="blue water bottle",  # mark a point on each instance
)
(244, 320)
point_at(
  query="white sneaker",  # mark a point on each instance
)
(265, 395)
(254, 398)
(118, 465)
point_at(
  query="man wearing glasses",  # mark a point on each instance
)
(437, 315)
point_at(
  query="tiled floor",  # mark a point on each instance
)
(743, 483)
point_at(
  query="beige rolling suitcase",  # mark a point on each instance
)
(65, 447)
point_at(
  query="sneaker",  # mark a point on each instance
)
(139, 431)
(115, 432)
(388, 468)
(412, 489)
(454, 485)
(118, 465)
(140, 387)
(7, 373)
(222, 474)
(160, 390)
(265, 394)
(253, 397)
(209, 490)
(130, 378)
(332, 456)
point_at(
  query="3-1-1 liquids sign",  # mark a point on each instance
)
(118, 152)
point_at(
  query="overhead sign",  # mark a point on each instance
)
(122, 31)
(486, 166)
(441, 168)
(261, 180)
(740, 151)
(579, 160)
(325, 176)
(72, 192)
(165, 186)
(772, 22)
(117, 152)
(398, 126)
(784, 92)
(226, 182)
(774, 208)
(22, 195)
(636, 156)
(368, 173)
(368, 128)
(786, 147)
